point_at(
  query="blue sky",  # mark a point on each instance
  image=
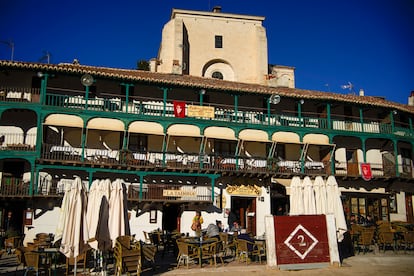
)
(369, 43)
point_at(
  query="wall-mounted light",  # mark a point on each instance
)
(302, 101)
(394, 112)
(203, 91)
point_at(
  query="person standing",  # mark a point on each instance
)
(197, 222)
(231, 218)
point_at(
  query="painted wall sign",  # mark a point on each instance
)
(252, 190)
(200, 111)
(179, 193)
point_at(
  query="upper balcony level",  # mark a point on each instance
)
(147, 107)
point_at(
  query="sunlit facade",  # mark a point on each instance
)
(187, 140)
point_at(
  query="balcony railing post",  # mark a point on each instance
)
(141, 183)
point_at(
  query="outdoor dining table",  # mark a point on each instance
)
(198, 242)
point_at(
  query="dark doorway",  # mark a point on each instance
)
(170, 217)
(245, 210)
(12, 218)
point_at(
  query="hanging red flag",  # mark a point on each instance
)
(179, 109)
(366, 171)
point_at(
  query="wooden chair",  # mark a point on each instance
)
(246, 250)
(186, 253)
(366, 239)
(127, 256)
(229, 247)
(386, 239)
(157, 239)
(261, 250)
(19, 253)
(147, 238)
(32, 263)
(148, 252)
(11, 243)
(408, 240)
(81, 262)
(211, 251)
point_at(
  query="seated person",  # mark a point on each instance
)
(244, 236)
(236, 227)
(369, 221)
(213, 230)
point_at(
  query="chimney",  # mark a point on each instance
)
(411, 99)
(361, 92)
(217, 9)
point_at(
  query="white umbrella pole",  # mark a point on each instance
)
(74, 269)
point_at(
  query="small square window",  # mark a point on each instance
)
(219, 41)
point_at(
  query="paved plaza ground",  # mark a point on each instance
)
(388, 263)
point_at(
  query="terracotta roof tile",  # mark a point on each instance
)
(206, 83)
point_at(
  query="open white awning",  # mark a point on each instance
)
(220, 133)
(254, 135)
(106, 124)
(286, 137)
(64, 120)
(316, 139)
(184, 130)
(146, 128)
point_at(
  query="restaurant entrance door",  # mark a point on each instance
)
(245, 208)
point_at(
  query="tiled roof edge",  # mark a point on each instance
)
(206, 83)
